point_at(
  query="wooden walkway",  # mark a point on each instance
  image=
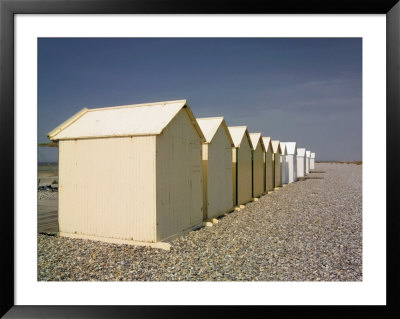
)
(47, 216)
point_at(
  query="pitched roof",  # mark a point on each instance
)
(210, 125)
(127, 120)
(312, 155)
(276, 147)
(301, 152)
(283, 148)
(267, 144)
(255, 139)
(237, 133)
(290, 147)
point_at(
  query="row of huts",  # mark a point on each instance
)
(149, 172)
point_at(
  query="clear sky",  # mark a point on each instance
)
(306, 90)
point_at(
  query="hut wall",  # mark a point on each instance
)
(258, 171)
(219, 175)
(244, 174)
(284, 170)
(107, 187)
(301, 166)
(312, 163)
(277, 170)
(178, 178)
(269, 173)
(292, 168)
(234, 173)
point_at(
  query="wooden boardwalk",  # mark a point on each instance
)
(47, 219)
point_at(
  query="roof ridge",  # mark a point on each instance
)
(136, 105)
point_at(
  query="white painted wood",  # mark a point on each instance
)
(301, 162)
(284, 165)
(217, 168)
(277, 170)
(269, 170)
(106, 187)
(178, 178)
(243, 170)
(276, 148)
(308, 153)
(291, 161)
(312, 161)
(258, 164)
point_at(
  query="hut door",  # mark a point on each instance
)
(196, 184)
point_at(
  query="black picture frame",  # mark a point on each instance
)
(8, 8)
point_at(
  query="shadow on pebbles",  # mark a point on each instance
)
(310, 230)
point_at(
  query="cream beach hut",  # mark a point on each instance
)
(291, 161)
(130, 173)
(312, 161)
(217, 167)
(284, 166)
(276, 148)
(258, 164)
(301, 162)
(269, 170)
(308, 154)
(241, 164)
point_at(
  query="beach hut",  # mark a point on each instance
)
(269, 170)
(312, 161)
(241, 164)
(291, 161)
(284, 166)
(308, 154)
(301, 162)
(130, 173)
(276, 149)
(258, 164)
(217, 167)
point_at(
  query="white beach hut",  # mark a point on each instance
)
(217, 167)
(308, 154)
(269, 170)
(291, 161)
(258, 164)
(130, 173)
(284, 166)
(301, 162)
(241, 164)
(312, 161)
(276, 148)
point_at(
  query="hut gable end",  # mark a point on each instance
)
(257, 140)
(211, 125)
(291, 148)
(179, 177)
(301, 152)
(238, 133)
(267, 144)
(276, 147)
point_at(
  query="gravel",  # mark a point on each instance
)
(47, 194)
(310, 230)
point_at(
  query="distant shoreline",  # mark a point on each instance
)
(341, 162)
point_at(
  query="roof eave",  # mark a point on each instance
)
(51, 135)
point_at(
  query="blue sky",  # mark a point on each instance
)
(307, 90)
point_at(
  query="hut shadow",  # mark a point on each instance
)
(301, 179)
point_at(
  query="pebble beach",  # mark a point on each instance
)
(310, 230)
